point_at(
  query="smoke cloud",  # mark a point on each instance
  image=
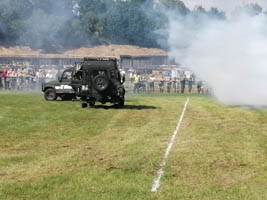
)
(52, 26)
(43, 27)
(226, 5)
(230, 55)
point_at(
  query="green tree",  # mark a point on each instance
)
(129, 23)
(48, 18)
(56, 25)
(92, 16)
(73, 34)
(12, 14)
(176, 6)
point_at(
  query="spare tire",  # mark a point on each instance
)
(100, 83)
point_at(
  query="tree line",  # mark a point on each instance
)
(55, 26)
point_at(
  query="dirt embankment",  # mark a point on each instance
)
(18, 51)
(92, 51)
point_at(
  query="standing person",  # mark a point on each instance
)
(13, 80)
(131, 77)
(169, 84)
(136, 83)
(4, 77)
(19, 80)
(1, 85)
(177, 85)
(199, 87)
(161, 86)
(58, 74)
(152, 83)
(23, 79)
(190, 84)
(174, 85)
(182, 82)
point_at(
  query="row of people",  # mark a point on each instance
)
(177, 84)
(168, 86)
(20, 79)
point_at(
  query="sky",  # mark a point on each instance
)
(226, 5)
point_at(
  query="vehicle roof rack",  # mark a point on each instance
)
(99, 59)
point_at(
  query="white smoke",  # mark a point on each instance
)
(231, 55)
(226, 5)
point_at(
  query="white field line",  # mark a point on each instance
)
(160, 172)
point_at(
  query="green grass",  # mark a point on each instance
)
(57, 150)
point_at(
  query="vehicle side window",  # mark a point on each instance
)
(78, 76)
(67, 75)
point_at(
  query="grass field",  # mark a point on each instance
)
(57, 150)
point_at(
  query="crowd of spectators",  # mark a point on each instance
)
(31, 78)
(181, 84)
(12, 78)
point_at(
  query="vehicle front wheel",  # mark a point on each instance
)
(84, 105)
(50, 94)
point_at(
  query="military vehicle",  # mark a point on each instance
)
(98, 79)
(61, 88)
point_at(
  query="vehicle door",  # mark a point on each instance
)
(65, 82)
(77, 81)
(87, 81)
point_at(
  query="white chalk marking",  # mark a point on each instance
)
(160, 173)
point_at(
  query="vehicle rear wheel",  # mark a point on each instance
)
(50, 94)
(120, 103)
(84, 104)
(100, 83)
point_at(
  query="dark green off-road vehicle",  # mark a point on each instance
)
(98, 79)
(61, 88)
